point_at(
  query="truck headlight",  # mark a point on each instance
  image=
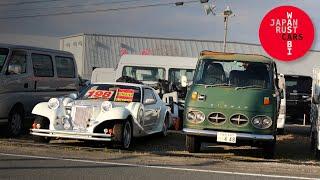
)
(53, 103)
(106, 106)
(195, 116)
(261, 122)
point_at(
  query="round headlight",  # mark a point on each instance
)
(191, 116)
(106, 106)
(66, 101)
(200, 116)
(195, 116)
(53, 103)
(262, 122)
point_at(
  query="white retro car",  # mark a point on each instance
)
(103, 112)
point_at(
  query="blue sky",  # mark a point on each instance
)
(188, 21)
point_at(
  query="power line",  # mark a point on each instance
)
(77, 5)
(28, 2)
(94, 11)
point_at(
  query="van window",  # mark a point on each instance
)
(17, 63)
(176, 74)
(3, 55)
(144, 73)
(65, 67)
(42, 65)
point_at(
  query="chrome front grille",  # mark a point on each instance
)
(81, 115)
(217, 118)
(239, 119)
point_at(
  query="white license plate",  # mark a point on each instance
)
(226, 137)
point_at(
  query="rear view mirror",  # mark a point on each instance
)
(149, 101)
(184, 81)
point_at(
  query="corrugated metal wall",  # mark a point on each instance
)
(105, 50)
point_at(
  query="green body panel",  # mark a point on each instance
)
(229, 101)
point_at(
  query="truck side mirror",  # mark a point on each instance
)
(184, 81)
(281, 82)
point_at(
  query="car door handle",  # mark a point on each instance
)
(25, 85)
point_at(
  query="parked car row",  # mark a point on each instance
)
(231, 99)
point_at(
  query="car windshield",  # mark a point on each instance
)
(144, 73)
(237, 74)
(112, 92)
(3, 56)
(175, 75)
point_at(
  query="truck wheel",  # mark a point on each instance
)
(313, 146)
(165, 126)
(123, 134)
(280, 131)
(44, 124)
(193, 144)
(269, 150)
(15, 122)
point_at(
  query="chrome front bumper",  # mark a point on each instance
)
(67, 134)
(240, 136)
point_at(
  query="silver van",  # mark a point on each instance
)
(29, 75)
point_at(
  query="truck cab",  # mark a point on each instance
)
(234, 99)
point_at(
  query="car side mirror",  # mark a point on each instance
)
(149, 101)
(14, 69)
(184, 81)
(73, 96)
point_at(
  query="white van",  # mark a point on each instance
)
(148, 69)
(29, 75)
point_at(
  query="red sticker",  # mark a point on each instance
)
(99, 94)
(286, 33)
(124, 95)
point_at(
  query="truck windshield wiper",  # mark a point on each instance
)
(215, 85)
(251, 86)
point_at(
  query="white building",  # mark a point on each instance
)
(95, 50)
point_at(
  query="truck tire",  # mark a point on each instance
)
(123, 134)
(269, 149)
(193, 144)
(44, 124)
(313, 146)
(15, 120)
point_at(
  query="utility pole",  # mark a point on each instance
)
(226, 14)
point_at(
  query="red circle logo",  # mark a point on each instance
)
(286, 33)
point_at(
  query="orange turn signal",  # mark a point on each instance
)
(194, 96)
(266, 101)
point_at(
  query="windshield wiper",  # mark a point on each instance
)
(215, 85)
(245, 87)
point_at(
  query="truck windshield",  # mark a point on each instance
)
(144, 73)
(175, 75)
(3, 56)
(111, 92)
(239, 74)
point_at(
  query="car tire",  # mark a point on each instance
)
(269, 150)
(44, 124)
(123, 134)
(15, 122)
(165, 126)
(193, 144)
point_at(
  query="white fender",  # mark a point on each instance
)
(42, 109)
(114, 113)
